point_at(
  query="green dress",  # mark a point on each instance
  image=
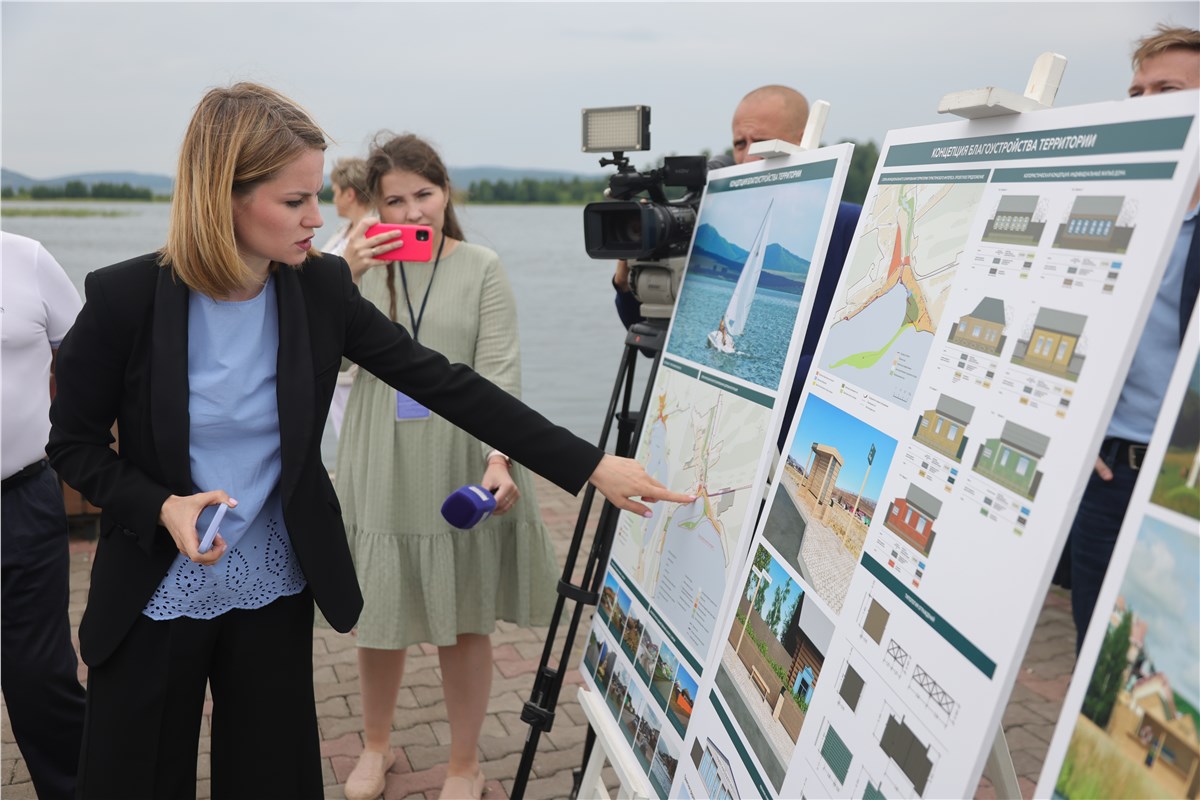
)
(422, 579)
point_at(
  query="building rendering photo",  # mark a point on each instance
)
(911, 518)
(1014, 221)
(983, 328)
(1053, 344)
(1011, 460)
(943, 427)
(1093, 224)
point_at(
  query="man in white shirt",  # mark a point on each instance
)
(38, 665)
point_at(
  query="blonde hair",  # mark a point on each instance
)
(351, 173)
(239, 137)
(1165, 38)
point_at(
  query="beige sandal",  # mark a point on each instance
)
(458, 787)
(367, 780)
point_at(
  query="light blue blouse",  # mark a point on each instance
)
(234, 445)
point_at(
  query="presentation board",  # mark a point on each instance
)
(717, 405)
(983, 322)
(1129, 724)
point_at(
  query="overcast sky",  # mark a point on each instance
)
(110, 86)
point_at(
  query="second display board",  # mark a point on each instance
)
(983, 322)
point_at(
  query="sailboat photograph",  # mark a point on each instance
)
(748, 267)
(733, 321)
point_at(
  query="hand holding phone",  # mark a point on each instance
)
(416, 243)
(211, 533)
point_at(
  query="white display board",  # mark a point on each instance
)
(985, 317)
(717, 406)
(1129, 724)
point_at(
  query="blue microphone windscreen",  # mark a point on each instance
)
(467, 506)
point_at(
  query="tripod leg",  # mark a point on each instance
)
(539, 712)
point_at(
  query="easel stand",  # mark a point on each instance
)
(538, 713)
(633, 781)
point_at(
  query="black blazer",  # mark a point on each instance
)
(125, 359)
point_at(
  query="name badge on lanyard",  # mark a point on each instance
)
(408, 409)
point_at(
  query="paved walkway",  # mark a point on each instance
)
(421, 734)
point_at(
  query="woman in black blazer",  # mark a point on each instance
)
(151, 350)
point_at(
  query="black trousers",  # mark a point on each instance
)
(38, 665)
(145, 705)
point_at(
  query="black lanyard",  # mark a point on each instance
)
(416, 320)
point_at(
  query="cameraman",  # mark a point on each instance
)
(772, 112)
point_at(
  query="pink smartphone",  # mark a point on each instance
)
(417, 242)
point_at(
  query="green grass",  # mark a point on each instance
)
(1170, 491)
(1095, 768)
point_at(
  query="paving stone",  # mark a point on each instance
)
(413, 734)
(496, 747)
(420, 732)
(324, 691)
(441, 731)
(348, 744)
(567, 737)
(554, 787)
(549, 763)
(424, 757)
(333, 707)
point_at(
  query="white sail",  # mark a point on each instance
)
(743, 293)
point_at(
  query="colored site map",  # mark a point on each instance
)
(704, 441)
(896, 283)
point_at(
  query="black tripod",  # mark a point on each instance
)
(538, 713)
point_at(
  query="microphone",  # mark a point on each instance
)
(468, 505)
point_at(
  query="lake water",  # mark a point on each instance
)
(571, 339)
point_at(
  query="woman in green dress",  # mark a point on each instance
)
(423, 580)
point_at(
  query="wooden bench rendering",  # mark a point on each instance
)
(756, 676)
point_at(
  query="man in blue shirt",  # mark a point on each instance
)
(1167, 61)
(772, 112)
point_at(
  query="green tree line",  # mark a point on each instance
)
(577, 191)
(555, 191)
(78, 190)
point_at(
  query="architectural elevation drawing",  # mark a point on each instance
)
(983, 328)
(1018, 220)
(876, 621)
(911, 518)
(1012, 459)
(929, 689)
(943, 427)
(715, 771)
(902, 745)
(1096, 223)
(851, 688)
(1053, 345)
(836, 754)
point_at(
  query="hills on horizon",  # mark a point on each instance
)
(783, 270)
(460, 177)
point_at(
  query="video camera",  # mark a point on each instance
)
(651, 232)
